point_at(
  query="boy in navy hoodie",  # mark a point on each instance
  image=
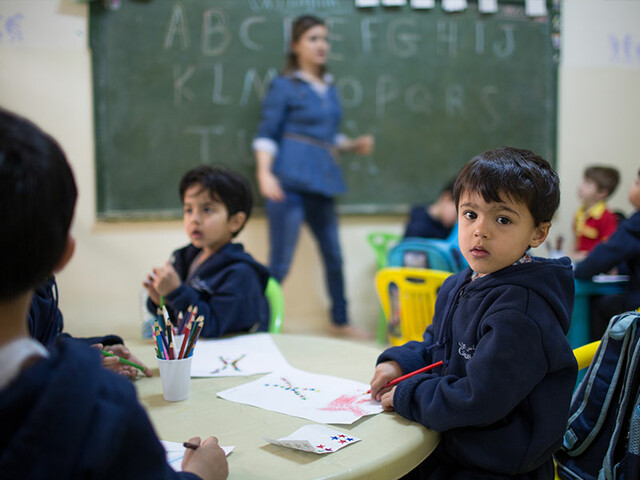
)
(501, 398)
(218, 276)
(623, 250)
(63, 415)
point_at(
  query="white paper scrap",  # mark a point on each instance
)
(535, 8)
(316, 439)
(367, 3)
(175, 453)
(417, 4)
(487, 6)
(454, 5)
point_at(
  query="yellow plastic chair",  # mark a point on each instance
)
(408, 298)
(273, 292)
(584, 355)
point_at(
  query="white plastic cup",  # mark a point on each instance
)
(175, 376)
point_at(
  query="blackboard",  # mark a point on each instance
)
(179, 82)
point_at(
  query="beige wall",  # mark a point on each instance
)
(47, 78)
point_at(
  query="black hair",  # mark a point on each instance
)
(298, 28)
(605, 178)
(223, 185)
(519, 174)
(37, 200)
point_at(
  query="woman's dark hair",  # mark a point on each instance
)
(298, 28)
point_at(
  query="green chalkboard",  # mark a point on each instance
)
(179, 82)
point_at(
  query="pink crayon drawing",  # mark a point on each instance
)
(347, 403)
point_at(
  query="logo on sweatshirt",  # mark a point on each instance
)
(466, 352)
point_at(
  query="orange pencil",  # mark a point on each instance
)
(395, 381)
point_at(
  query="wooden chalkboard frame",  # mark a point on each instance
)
(423, 133)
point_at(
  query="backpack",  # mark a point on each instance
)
(602, 440)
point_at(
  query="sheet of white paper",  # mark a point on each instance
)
(454, 5)
(238, 356)
(423, 3)
(320, 398)
(603, 278)
(367, 3)
(393, 3)
(488, 6)
(316, 439)
(535, 8)
(175, 453)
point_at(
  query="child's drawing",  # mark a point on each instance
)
(315, 439)
(320, 398)
(237, 356)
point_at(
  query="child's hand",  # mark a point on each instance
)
(387, 400)
(166, 279)
(122, 351)
(385, 372)
(208, 461)
(153, 293)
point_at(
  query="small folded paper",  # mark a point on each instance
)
(316, 439)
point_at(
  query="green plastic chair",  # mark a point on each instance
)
(273, 292)
(381, 243)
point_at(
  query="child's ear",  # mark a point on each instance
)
(67, 253)
(540, 234)
(236, 221)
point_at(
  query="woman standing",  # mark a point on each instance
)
(296, 148)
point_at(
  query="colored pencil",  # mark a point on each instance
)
(395, 381)
(122, 360)
(192, 446)
(194, 337)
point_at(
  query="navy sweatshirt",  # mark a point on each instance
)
(228, 288)
(623, 247)
(67, 417)
(501, 400)
(45, 319)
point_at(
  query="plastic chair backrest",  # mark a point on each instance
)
(430, 253)
(408, 298)
(273, 292)
(380, 242)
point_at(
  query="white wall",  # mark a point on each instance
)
(47, 77)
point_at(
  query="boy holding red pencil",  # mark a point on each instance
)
(63, 414)
(501, 398)
(212, 272)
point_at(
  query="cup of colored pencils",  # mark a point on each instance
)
(174, 350)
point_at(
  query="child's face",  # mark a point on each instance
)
(589, 193)
(494, 235)
(634, 193)
(206, 220)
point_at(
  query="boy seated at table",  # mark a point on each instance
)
(501, 398)
(63, 415)
(593, 222)
(435, 220)
(213, 273)
(622, 250)
(46, 324)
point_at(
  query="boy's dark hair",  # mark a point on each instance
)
(606, 178)
(37, 200)
(223, 185)
(518, 174)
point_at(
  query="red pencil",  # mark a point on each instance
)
(395, 381)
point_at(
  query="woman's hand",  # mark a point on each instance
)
(270, 186)
(363, 145)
